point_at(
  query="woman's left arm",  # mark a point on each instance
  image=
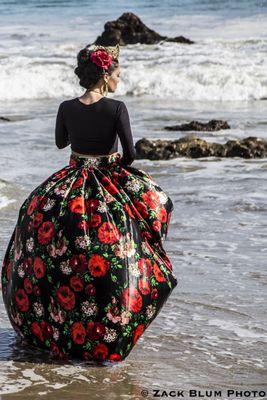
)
(61, 133)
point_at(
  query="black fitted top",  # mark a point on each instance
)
(95, 128)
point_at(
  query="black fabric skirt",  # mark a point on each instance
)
(85, 271)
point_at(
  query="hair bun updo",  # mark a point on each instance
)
(84, 55)
(87, 71)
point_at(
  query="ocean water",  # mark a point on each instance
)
(212, 332)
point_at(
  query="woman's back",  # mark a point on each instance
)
(95, 128)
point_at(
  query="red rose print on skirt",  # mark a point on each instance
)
(39, 268)
(138, 332)
(144, 286)
(162, 215)
(37, 219)
(66, 297)
(32, 205)
(158, 273)
(95, 330)
(94, 221)
(151, 198)
(78, 333)
(78, 263)
(77, 205)
(98, 265)
(132, 299)
(36, 330)
(22, 300)
(27, 286)
(100, 351)
(46, 232)
(108, 233)
(76, 283)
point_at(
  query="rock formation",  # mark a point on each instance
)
(212, 125)
(129, 29)
(194, 147)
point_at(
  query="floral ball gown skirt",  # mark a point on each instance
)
(85, 271)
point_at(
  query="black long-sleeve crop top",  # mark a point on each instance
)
(95, 128)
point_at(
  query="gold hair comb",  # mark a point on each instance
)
(114, 51)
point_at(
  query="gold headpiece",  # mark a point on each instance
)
(114, 51)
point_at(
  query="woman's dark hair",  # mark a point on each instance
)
(88, 72)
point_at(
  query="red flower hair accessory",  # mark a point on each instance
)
(101, 58)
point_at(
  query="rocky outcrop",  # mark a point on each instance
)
(194, 147)
(212, 125)
(129, 29)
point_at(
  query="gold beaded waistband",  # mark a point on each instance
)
(91, 162)
(91, 155)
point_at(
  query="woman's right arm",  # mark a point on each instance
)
(124, 131)
(61, 133)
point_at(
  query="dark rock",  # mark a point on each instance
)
(249, 147)
(5, 119)
(212, 125)
(129, 29)
(179, 39)
(194, 147)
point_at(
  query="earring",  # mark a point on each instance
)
(106, 89)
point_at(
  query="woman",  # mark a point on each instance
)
(85, 272)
